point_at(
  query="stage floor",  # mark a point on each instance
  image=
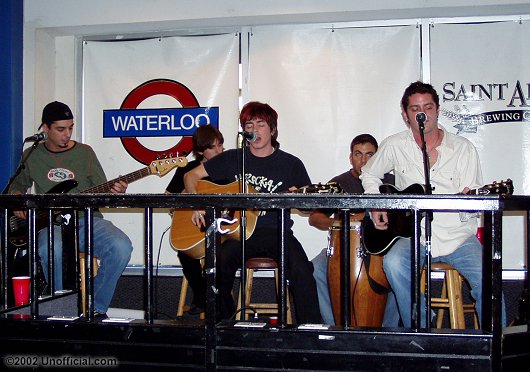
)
(185, 345)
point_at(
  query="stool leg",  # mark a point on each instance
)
(239, 315)
(248, 292)
(460, 304)
(182, 297)
(456, 309)
(95, 266)
(441, 310)
(289, 319)
(82, 284)
(242, 315)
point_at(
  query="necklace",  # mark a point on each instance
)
(433, 148)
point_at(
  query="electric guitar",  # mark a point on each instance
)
(400, 222)
(17, 232)
(189, 239)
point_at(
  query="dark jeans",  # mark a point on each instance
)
(264, 243)
(192, 270)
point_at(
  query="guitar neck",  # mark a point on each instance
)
(128, 178)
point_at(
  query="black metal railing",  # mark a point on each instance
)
(493, 207)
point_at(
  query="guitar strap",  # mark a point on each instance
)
(376, 287)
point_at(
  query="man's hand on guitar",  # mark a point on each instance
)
(380, 219)
(20, 214)
(198, 218)
(119, 187)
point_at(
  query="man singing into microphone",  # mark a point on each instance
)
(267, 169)
(454, 168)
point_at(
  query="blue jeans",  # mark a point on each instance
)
(320, 273)
(111, 246)
(467, 259)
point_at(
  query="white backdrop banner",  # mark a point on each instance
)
(207, 66)
(480, 72)
(329, 85)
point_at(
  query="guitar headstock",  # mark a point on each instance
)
(161, 167)
(497, 188)
(328, 188)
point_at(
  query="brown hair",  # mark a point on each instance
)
(253, 110)
(204, 138)
(363, 138)
(421, 88)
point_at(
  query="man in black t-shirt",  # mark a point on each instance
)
(268, 170)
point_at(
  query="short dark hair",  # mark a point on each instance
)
(203, 138)
(364, 138)
(421, 88)
(253, 110)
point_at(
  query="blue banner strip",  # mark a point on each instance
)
(157, 122)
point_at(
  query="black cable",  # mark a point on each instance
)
(243, 308)
(155, 281)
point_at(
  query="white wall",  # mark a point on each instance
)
(51, 28)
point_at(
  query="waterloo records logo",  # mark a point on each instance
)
(129, 122)
(515, 97)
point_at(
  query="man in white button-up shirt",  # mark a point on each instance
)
(454, 168)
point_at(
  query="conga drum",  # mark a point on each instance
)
(368, 288)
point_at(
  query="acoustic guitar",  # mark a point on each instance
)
(400, 222)
(17, 232)
(189, 239)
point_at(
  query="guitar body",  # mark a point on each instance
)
(400, 222)
(189, 239)
(378, 242)
(18, 227)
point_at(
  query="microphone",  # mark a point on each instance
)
(37, 137)
(249, 136)
(420, 118)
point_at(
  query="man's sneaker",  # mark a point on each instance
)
(98, 317)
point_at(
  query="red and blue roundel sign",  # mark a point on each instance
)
(128, 122)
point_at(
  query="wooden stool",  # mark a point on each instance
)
(450, 298)
(95, 265)
(182, 298)
(256, 264)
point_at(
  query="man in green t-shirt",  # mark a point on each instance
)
(57, 159)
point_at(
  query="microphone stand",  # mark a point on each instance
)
(243, 228)
(21, 166)
(4, 254)
(428, 220)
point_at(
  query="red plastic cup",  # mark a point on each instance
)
(273, 320)
(21, 290)
(480, 235)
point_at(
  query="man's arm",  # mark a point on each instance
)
(320, 220)
(192, 177)
(190, 182)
